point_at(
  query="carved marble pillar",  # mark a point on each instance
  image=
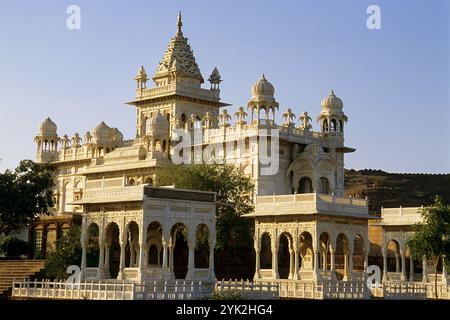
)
(403, 272)
(212, 274)
(121, 274)
(191, 257)
(424, 269)
(332, 265)
(291, 264)
(275, 274)
(258, 264)
(383, 252)
(296, 259)
(397, 262)
(411, 267)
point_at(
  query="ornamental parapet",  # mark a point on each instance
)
(310, 203)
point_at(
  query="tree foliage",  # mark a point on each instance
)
(68, 252)
(24, 194)
(13, 247)
(432, 236)
(234, 197)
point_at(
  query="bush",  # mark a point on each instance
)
(13, 247)
(68, 252)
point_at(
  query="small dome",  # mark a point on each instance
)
(263, 88)
(48, 126)
(332, 102)
(102, 131)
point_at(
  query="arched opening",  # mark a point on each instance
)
(180, 251)
(358, 253)
(333, 125)
(183, 120)
(306, 252)
(291, 181)
(284, 256)
(325, 125)
(325, 255)
(341, 126)
(266, 252)
(164, 145)
(112, 250)
(201, 254)
(132, 245)
(146, 125)
(68, 197)
(305, 185)
(341, 257)
(157, 145)
(409, 264)
(393, 256)
(92, 246)
(262, 108)
(148, 180)
(131, 182)
(153, 245)
(324, 185)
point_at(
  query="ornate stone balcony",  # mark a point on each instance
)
(400, 216)
(310, 203)
(178, 89)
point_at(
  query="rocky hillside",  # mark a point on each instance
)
(396, 189)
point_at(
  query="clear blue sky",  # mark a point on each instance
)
(394, 82)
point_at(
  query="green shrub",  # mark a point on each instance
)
(68, 252)
(13, 247)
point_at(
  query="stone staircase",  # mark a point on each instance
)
(11, 270)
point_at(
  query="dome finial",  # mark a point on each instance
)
(179, 24)
(332, 93)
(263, 76)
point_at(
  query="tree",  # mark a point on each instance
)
(234, 198)
(25, 193)
(68, 252)
(431, 238)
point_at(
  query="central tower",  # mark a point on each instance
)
(177, 93)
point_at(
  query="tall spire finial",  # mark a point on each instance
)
(179, 24)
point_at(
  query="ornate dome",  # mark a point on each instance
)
(263, 88)
(102, 131)
(48, 126)
(332, 102)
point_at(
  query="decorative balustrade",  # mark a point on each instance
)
(249, 289)
(310, 202)
(179, 89)
(112, 290)
(130, 273)
(91, 273)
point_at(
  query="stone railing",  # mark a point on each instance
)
(130, 274)
(308, 203)
(173, 290)
(92, 290)
(112, 290)
(179, 89)
(201, 274)
(91, 273)
(404, 216)
(249, 289)
(116, 193)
